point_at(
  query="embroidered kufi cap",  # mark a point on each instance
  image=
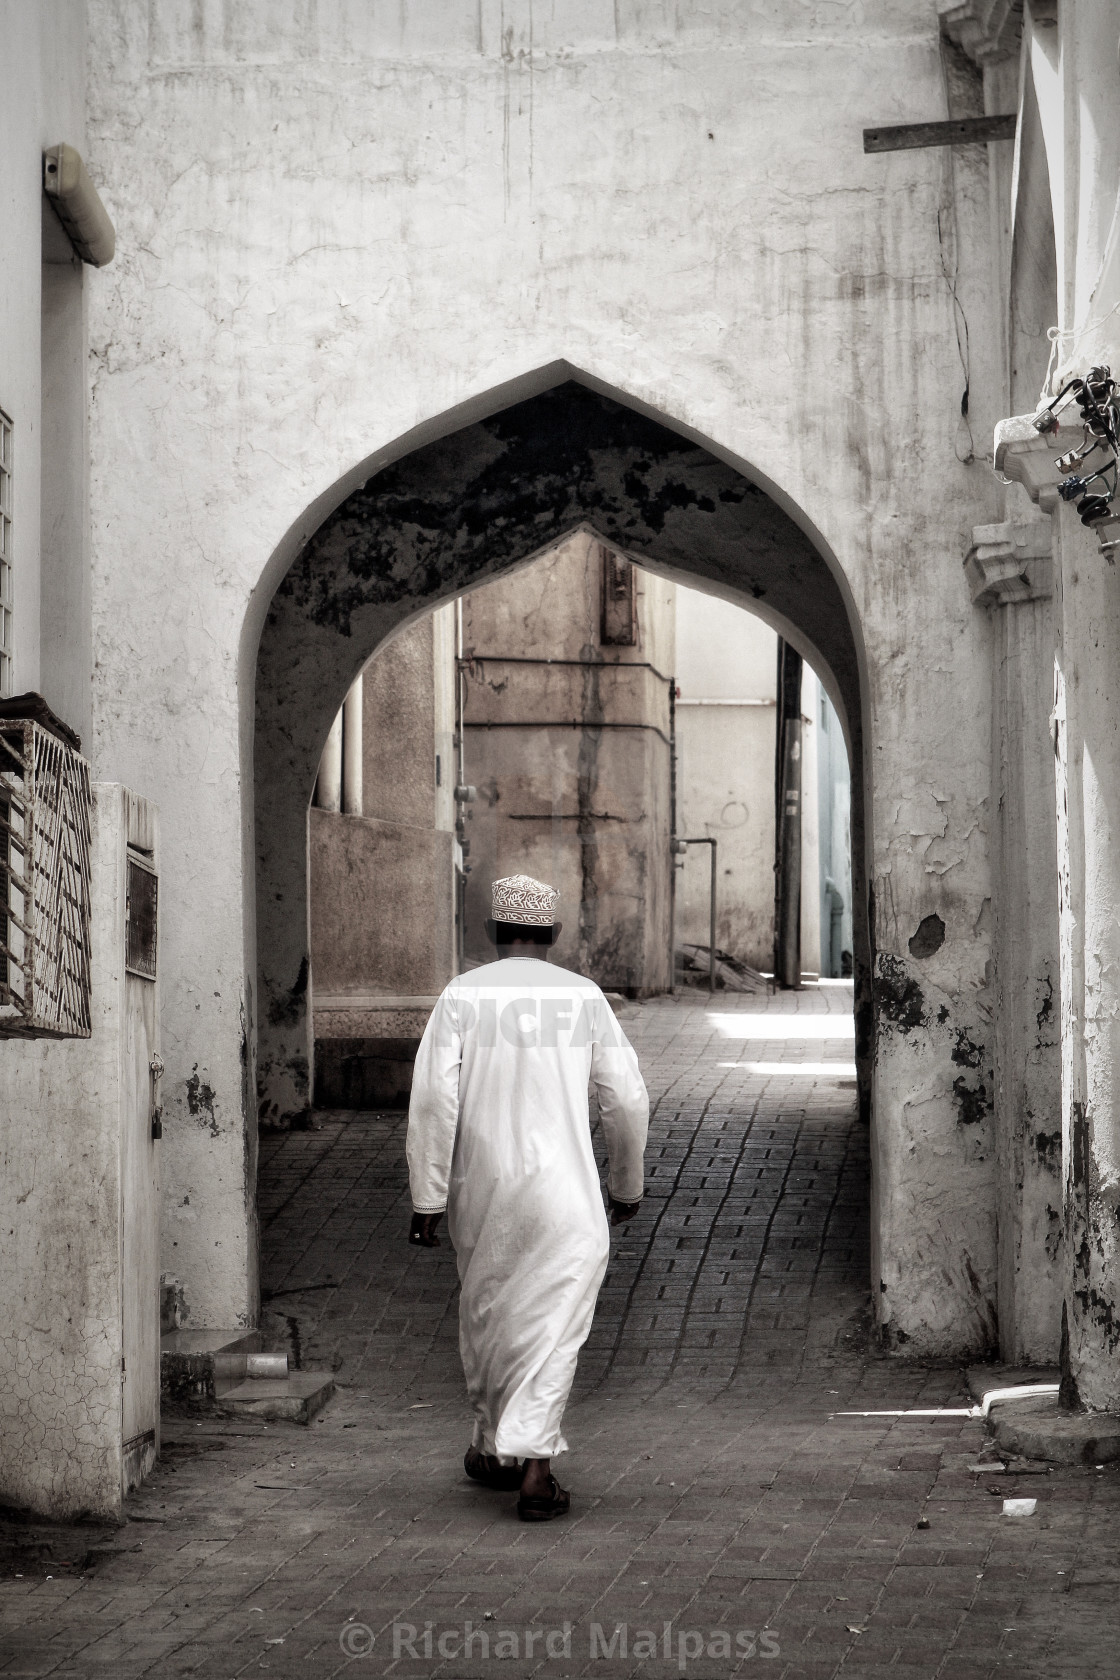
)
(518, 898)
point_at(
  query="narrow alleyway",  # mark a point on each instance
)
(751, 1249)
(723, 1500)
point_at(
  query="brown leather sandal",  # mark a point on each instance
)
(485, 1468)
(536, 1507)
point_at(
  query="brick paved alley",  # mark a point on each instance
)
(727, 1517)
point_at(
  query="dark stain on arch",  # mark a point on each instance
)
(494, 493)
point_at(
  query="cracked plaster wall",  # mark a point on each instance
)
(334, 228)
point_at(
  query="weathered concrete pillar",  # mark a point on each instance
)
(352, 751)
(1009, 570)
(1087, 758)
(328, 784)
(1087, 722)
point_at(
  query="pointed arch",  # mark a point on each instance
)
(465, 508)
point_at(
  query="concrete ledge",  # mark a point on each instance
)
(295, 1398)
(1039, 1428)
(356, 1015)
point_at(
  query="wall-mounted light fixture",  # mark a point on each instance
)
(67, 184)
(1089, 471)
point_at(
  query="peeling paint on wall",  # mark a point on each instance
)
(899, 1003)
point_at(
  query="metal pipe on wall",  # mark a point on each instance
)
(709, 840)
(787, 821)
(712, 926)
(352, 751)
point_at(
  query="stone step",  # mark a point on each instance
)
(296, 1397)
(1042, 1430)
(1038, 1427)
(196, 1366)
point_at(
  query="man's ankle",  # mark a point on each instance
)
(535, 1474)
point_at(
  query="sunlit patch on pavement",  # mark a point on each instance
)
(764, 1025)
(796, 1070)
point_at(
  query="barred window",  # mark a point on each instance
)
(5, 555)
(45, 813)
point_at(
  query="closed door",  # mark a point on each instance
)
(140, 1193)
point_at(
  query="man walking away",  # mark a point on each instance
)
(498, 1135)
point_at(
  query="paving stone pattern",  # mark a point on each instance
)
(725, 1513)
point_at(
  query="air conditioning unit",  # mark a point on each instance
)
(45, 819)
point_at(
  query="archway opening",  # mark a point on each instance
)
(447, 517)
(612, 731)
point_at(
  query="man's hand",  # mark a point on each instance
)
(621, 1212)
(423, 1230)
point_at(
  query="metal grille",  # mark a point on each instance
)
(141, 923)
(5, 556)
(45, 806)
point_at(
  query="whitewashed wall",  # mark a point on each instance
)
(726, 713)
(336, 224)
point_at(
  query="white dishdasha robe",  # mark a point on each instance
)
(499, 1135)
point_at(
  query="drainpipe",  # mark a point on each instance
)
(787, 821)
(708, 840)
